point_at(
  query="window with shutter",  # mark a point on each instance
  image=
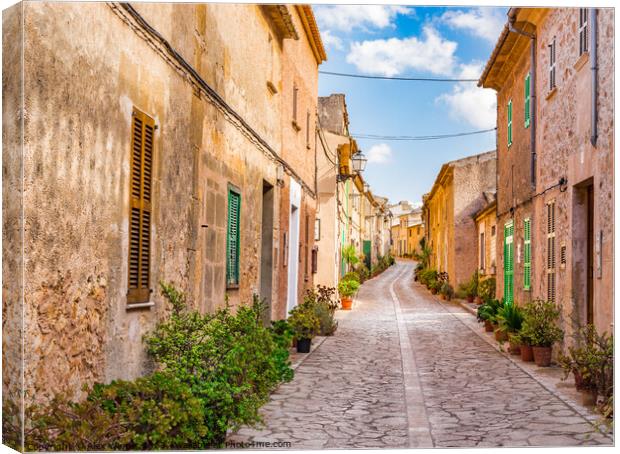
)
(527, 101)
(510, 122)
(527, 254)
(583, 30)
(551, 251)
(140, 214)
(232, 239)
(508, 262)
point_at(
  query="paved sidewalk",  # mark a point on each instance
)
(404, 370)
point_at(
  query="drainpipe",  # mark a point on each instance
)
(532, 38)
(594, 72)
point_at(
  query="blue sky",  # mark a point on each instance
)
(411, 41)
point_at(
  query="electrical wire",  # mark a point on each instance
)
(419, 138)
(418, 79)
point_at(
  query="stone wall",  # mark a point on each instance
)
(12, 198)
(564, 148)
(79, 97)
(473, 176)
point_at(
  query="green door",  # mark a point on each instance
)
(509, 262)
(366, 251)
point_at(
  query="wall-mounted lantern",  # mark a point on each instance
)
(359, 164)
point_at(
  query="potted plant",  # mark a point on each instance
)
(350, 257)
(434, 286)
(346, 289)
(487, 313)
(591, 362)
(486, 289)
(540, 327)
(510, 320)
(525, 345)
(446, 291)
(305, 325)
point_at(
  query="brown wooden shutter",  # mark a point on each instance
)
(140, 215)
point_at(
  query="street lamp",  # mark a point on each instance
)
(359, 164)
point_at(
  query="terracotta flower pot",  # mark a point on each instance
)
(478, 300)
(444, 297)
(470, 299)
(542, 356)
(500, 336)
(578, 380)
(589, 397)
(346, 302)
(527, 353)
(514, 349)
(488, 326)
(434, 291)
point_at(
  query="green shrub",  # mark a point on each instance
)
(488, 310)
(486, 289)
(540, 323)
(323, 303)
(509, 318)
(427, 276)
(349, 255)
(230, 362)
(304, 321)
(347, 288)
(216, 372)
(363, 272)
(351, 276)
(591, 357)
(446, 290)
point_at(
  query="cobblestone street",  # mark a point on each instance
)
(404, 370)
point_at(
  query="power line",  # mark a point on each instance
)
(418, 138)
(420, 79)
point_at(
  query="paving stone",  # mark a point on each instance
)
(349, 392)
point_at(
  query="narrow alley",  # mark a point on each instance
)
(440, 385)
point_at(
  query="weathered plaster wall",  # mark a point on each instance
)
(86, 69)
(565, 151)
(12, 198)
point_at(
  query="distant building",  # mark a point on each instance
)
(448, 213)
(486, 226)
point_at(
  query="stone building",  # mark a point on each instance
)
(415, 232)
(568, 54)
(509, 73)
(486, 226)
(448, 214)
(400, 222)
(158, 145)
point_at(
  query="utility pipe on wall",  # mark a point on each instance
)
(594, 75)
(532, 38)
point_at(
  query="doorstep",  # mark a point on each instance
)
(549, 378)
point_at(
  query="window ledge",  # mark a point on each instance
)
(131, 306)
(551, 92)
(581, 61)
(296, 127)
(232, 286)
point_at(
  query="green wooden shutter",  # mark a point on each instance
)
(232, 239)
(527, 101)
(527, 254)
(510, 122)
(140, 193)
(508, 262)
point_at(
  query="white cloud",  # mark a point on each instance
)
(467, 102)
(331, 40)
(348, 17)
(380, 153)
(390, 57)
(483, 22)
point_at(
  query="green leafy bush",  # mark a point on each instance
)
(486, 288)
(488, 310)
(303, 320)
(540, 323)
(230, 362)
(363, 272)
(591, 359)
(446, 290)
(470, 288)
(349, 255)
(509, 318)
(216, 370)
(427, 276)
(351, 276)
(323, 303)
(347, 288)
